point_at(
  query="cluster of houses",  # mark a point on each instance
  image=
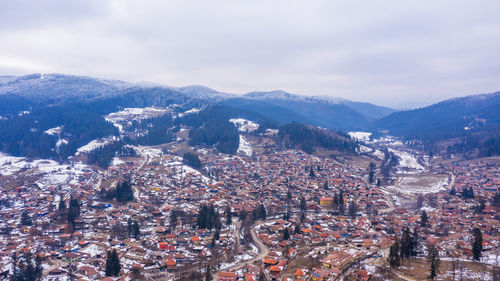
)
(305, 233)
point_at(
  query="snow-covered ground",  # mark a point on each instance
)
(95, 144)
(420, 184)
(10, 164)
(117, 161)
(364, 149)
(245, 147)
(182, 170)
(407, 160)
(54, 131)
(125, 117)
(244, 125)
(51, 173)
(187, 112)
(362, 136)
(379, 154)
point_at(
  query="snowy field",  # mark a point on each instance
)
(95, 144)
(411, 185)
(362, 136)
(125, 117)
(245, 147)
(182, 170)
(50, 172)
(406, 161)
(244, 125)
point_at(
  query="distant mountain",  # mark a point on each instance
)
(327, 112)
(19, 93)
(32, 104)
(447, 119)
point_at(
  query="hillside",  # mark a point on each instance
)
(450, 118)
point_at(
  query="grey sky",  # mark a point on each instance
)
(396, 53)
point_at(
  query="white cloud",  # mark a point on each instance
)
(388, 52)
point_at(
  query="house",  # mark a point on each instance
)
(339, 260)
(171, 264)
(299, 274)
(319, 274)
(227, 276)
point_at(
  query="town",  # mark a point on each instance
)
(267, 213)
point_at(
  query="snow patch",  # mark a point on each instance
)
(95, 144)
(245, 147)
(362, 136)
(54, 131)
(244, 125)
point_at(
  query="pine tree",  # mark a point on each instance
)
(136, 231)
(113, 266)
(286, 234)
(229, 216)
(453, 191)
(25, 219)
(109, 265)
(311, 173)
(262, 212)
(394, 258)
(477, 245)
(423, 218)
(62, 204)
(433, 259)
(335, 199)
(353, 209)
(303, 204)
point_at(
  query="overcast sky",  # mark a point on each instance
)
(395, 53)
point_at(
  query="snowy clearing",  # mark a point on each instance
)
(244, 125)
(54, 131)
(244, 147)
(362, 136)
(95, 144)
(127, 115)
(406, 160)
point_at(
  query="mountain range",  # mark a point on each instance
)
(34, 103)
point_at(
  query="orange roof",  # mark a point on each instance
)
(170, 262)
(299, 272)
(274, 268)
(227, 274)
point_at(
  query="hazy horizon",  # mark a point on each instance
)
(390, 53)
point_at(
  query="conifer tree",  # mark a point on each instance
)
(423, 218)
(303, 203)
(353, 209)
(394, 257)
(136, 230)
(286, 234)
(229, 216)
(113, 266)
(433, 259)
(477, 245)
(62, 204)
(25, 219)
